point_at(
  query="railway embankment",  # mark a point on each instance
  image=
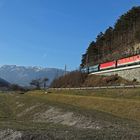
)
(131, 74)
(77, 79)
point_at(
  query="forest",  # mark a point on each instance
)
(116, 42)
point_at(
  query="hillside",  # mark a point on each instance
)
(24, 75)
(116, 42)
(78, 79)
(4, 83)
(72, 79)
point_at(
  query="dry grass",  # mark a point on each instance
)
(124, 108)
(18, 113)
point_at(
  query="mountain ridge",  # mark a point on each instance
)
(23, 75)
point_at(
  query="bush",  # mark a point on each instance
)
(72, 79)
(16, 87)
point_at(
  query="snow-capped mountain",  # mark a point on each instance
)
(24, 75)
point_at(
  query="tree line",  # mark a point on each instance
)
(116, 42)
(38, 83)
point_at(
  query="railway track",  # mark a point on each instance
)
(101, 87)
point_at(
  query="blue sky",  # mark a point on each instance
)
(52, 33)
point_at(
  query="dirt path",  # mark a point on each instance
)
(59, 116)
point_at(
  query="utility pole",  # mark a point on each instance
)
(65, 69)
(56, 74)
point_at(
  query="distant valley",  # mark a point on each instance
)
(24, 75)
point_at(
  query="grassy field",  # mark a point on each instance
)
(124, 103)
(80, 115)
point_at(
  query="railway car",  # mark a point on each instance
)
(94, 68)
(108, 65)
(128, 61)
(85, 70)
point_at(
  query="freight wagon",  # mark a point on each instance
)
(128, 61)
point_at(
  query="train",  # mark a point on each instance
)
(123, 62)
